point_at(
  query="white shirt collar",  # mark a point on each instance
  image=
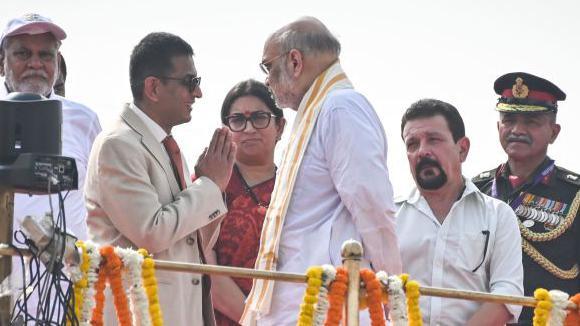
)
(415, 194)
(153, 127)
(3, 90)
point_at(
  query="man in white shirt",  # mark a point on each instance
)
(451, 235)
(333, 184)
(28, 63)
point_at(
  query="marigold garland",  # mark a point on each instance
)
(374, 296)
(306, 316)
(336, 297)
(321, 307)
(573, 317)
(113, 268)
(97, 315)
(78, 275)
(543, 307)
(133, 261)
(150, 285)
(414, 312)
(92, 278)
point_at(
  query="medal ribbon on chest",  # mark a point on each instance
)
(542, 210)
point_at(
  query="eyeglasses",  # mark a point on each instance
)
(259, 119)
(189, 81)
(267, 65)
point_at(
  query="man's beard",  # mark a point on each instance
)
(284, 98)
(432, 180)
(33, 83)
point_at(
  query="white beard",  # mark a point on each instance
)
(28, 85)
(285, 98)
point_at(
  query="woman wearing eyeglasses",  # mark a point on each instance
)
(257, 124)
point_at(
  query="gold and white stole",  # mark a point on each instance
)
(259, 299)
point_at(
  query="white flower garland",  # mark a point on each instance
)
(321, 307)
(397, 301)
(558, 312)
(383, 277)
(132, 261)
(92, 277)
(74, 271)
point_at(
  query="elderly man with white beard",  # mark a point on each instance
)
(450, 234)
(29, 63)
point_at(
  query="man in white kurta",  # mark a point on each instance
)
(341, 190)
(451, 235)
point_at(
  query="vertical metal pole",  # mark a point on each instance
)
(352, 252)
(6, 217)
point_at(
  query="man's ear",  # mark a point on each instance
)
(464, 145)
(151, 88)
(297, 62)
(2, 64)
(555, 132)
(280, 128)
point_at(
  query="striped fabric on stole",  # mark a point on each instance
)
(333, 78)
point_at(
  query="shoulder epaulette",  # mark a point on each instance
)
(568, 176)
(484, 176)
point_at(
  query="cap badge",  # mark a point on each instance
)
(520, 90)
(31, 17)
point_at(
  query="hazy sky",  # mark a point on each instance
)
(395, 52)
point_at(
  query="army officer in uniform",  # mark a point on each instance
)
(544, 196)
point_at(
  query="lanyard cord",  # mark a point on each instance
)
(518, 200)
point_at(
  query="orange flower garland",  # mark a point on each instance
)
(113, 267)
(374, 297)
(150, 284)
(336, 297)
(118, 267)
(97, 317)
(573, 317)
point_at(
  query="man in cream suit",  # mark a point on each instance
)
(137, 191)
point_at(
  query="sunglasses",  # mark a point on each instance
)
(189, 81)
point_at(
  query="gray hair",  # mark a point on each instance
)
(307, 40)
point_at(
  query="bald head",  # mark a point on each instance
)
(307, 34)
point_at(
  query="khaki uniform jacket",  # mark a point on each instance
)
(133, 200)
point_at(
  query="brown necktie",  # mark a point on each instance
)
(175, 156)
(176, 162)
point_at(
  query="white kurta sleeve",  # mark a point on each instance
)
(356, 150)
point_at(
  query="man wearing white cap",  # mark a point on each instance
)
(29, 63)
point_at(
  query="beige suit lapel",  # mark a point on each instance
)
(152, 146)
